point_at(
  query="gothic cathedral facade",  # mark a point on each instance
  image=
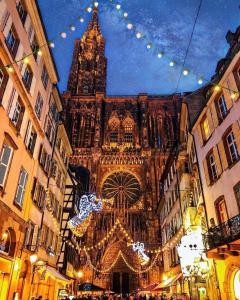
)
(123, 142)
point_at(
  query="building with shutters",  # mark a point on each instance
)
(34, 150)
(216, 131)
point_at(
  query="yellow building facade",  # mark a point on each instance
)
(217, 135)
(34, 150)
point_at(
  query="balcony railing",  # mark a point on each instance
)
(224, 233)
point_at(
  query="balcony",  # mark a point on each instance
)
(224, 233)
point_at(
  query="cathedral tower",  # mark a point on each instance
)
(88, 70)
(122, 142)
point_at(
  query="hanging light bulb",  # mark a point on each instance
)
(89, 9)
(39, 52)
(63, 35)
(96, 4)
(138, 35)
(234, 95)
(172, 63)
(125, 15)
(200, 81)
(185, 72)
(130, 26)
(81, 20)
(160, 54)
(26, 60)
(149, 45)
(73, 28)
(10, 69)
(217, 88)
(118, 6)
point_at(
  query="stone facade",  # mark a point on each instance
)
(123, 141)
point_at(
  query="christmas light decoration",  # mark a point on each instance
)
(87, 205)
(139, 248)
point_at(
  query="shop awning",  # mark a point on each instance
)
(56, 273)
(89, 287)
(169, 282)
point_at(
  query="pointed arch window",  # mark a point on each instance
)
(128, 133)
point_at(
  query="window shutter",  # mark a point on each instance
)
(205, 167)
(27, 235)
(210, 120)
(19, 54)
(200, 137)
(34, 238)
(236, 132)
(34, 187)
(15, 48)
(7, 24)
(223, 156)
(27, 23)
(217, 160)
(215, 115)
(28, 132)
(19, 123)
(229, 102)
(33, 84)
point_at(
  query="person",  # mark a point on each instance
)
(39, 298)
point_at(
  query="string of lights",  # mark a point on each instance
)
(51, 43)
(120, 254)
(160, 54)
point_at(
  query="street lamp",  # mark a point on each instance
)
(80, 274)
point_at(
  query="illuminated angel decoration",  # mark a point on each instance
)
(139, 248)
(87, 205)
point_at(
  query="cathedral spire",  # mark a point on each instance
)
(88, 70)
(94, 24)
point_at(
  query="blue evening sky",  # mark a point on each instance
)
(166, 23)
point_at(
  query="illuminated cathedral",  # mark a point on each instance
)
(120, 146)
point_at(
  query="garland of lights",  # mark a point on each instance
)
(139, 35)
(120, 254)
(130, 26)
(50, 43)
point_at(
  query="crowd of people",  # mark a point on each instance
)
(129, 297)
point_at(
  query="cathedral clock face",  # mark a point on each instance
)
(123, 187)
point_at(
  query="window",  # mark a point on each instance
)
(30, 137)
(44, 77)
(31, 236)
(113, 137)
(212, 167)
(39, 194)
(27, 78)
(128, 137)
(35, 47)
(12, 41)
(237, 194)
(205, 129)
(39, 105)
(18, 114)
(5, 160)
(221, 107)
(221, 210)
(22, 181)
(22, 12)
(50, 129)
(232, 151)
